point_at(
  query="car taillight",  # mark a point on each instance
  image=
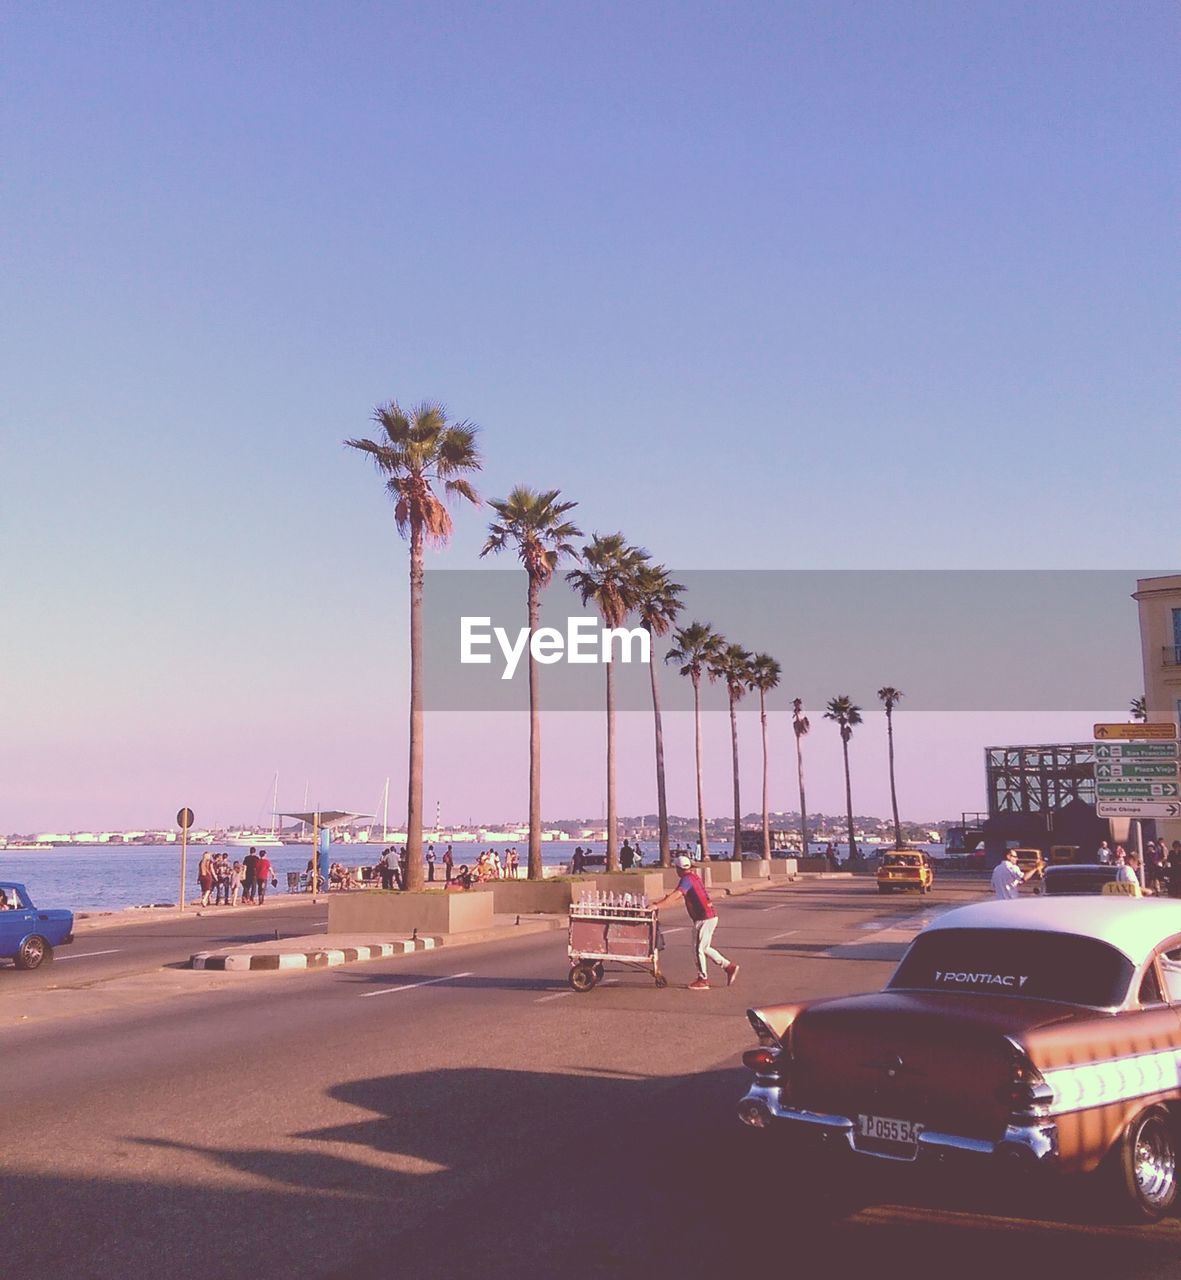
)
(1026, 1091)
(763, 1061)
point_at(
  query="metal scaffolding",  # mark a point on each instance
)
(1039, 779)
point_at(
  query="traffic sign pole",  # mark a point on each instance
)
(184, 820)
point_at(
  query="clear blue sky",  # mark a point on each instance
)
(822, 285)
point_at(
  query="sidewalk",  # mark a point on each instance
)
(322, 951)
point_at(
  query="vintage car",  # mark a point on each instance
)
(1035, 1034)
(28, 935)
(904, 869)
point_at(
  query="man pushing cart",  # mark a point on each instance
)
(705, 921)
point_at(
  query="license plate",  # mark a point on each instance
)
(886, 1130)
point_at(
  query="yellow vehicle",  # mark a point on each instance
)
(1063, 854)
(905, 869)
(1032, 860)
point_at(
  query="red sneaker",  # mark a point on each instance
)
(702, 984)
(731, 974)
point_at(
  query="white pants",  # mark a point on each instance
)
(703, 932)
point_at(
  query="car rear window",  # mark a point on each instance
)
(1044, 966)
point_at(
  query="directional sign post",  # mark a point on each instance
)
(1163, 731)
(1117, 752)
(1138, 808)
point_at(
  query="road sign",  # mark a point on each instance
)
(184, 819)
(1137, 790)
(1138, 809)
(1160, 731)
(1126, 770)
(1117, 751)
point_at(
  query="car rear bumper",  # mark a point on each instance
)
(1031, 1142)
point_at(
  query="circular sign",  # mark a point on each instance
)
(184, 818)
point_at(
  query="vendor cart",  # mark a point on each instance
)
(625, 933)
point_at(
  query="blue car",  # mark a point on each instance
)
(27, 934)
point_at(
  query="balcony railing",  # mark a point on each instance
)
(1171, 655)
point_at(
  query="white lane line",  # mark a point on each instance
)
(779, 906)
(410, 986)
(791, 933)
(557, 995)
(82, 955)
(679, 929)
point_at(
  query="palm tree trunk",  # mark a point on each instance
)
(702, 834)
(737, 854)
(803, 803)
(849, 800)
(612, 835)
(414, 789)
(535, 872)
(766, 820)
(893, 793)
(666, 857)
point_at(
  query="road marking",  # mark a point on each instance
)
(791, 933)
(779, 906)
(410, 986)
(679, 929)
(557, 995)
(82, 955)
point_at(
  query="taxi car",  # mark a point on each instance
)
(1032, 860)
(1039, 1033)
(905, 869)
(28, 934)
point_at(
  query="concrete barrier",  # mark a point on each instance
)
(431, 911)
(722, 872)
(755, 869)
(781, 867)
(814, 864)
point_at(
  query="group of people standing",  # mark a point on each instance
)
(1162, 867)
(226, 884)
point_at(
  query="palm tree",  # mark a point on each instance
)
(693, 648)
(889, 699)
(659, 602)
(609, 578)
(535, 524)
(1138, 709)
(800, 725)
(842, 710)
(418, 449)
(765, 672)
(732, 664)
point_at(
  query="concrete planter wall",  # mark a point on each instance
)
(753, 869)
(431, 911)
(532, 897)
(722, 872)
(633, 882)
(783, 867)
(813, 864)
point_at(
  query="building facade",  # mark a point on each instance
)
(1159, 601)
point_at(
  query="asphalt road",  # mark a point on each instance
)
(463, 1112)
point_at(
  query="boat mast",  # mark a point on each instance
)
(385, 812)
(275, 806)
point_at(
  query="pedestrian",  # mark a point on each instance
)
(385, 870)
(1104, 853)
(512, 864)
(236, 885)
(576, 863)
(205, 876)
(430, 863)
(1125, 868)
(1173, 872)
(1007, 876)
(221, 869)
(250, 874)
(262, 876)
(448, 863)
(403, 867)
(627, 855)
(705, 920)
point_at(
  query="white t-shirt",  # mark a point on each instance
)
(1005, 879)
(1125, 873)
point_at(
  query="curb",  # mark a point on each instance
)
(320, 959)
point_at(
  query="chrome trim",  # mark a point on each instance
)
(1036, 1143)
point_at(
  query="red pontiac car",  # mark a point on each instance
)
(1039, 1033)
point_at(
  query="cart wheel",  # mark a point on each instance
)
(599, 970)
(582, 977)
(661, 980)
